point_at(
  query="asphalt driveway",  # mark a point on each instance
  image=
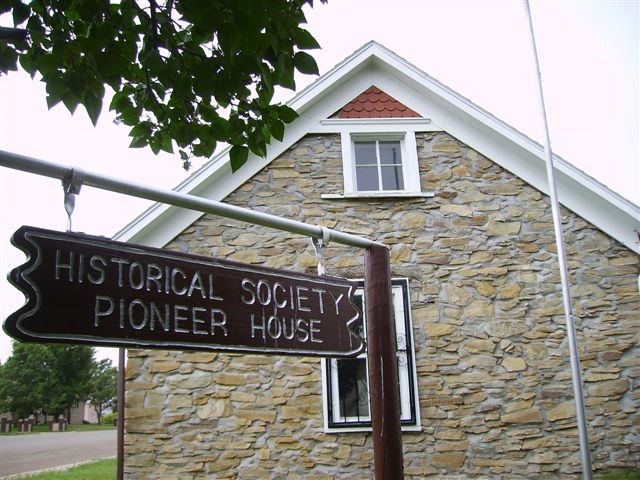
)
(28, 453)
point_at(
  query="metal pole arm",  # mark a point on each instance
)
(179, 199)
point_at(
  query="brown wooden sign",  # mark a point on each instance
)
(92, 290)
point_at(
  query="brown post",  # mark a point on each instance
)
(383, 368)
(120, 421)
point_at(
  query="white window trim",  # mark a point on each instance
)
(410, 172)
(402, 129)
(403, 380)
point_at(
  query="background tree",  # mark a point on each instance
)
(25, 380)
(70, 370)
(47, 378)
(183, 72)
(103, 386)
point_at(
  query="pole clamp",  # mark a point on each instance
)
(318, 244)
(71, 185)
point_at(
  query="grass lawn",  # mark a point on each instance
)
(99, 470)
(621, 475)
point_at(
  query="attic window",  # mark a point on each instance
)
(378, 165)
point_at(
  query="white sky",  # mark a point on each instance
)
(589, 55)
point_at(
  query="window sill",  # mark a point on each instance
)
(346, 196)
(337, 430)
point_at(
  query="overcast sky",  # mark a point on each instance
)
(589, 54)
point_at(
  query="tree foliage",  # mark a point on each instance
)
(103, 387)
(48, 378)
(186, 72)
(25, 379)
(69, 374)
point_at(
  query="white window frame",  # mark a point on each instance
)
(407, 378)
(402, 129)
(408, 151)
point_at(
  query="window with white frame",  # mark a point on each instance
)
(380, 163)
(346, 381)
(379, 156)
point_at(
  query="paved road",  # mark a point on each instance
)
(27, 453)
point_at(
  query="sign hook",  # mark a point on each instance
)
(71, 184)
(318, 244)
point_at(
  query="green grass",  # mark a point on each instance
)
(70, 428)
(99, 470)
(620, 475)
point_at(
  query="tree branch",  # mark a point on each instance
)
(9, 34)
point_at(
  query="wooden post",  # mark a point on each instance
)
(383, 368)
(120, 421)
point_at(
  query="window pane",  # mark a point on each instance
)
(390, 153)
(392, 178)
(367, 178)
(404, 384)
(353, 388)
(365, 153)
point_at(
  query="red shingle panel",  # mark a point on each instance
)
(374, 103)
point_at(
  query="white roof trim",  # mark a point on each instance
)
(444, 108)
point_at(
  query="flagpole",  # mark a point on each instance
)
(564, 277)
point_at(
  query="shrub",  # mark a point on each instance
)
(109, 419)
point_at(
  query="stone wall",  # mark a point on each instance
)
(490, 341)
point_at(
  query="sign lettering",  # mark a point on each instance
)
(87, 289)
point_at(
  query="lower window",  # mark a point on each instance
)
(346, 381)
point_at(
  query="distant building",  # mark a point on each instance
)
(83, 413)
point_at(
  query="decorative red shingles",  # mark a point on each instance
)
(374, 103)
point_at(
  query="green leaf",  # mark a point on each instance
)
(143, 129)
(305, 41)
(305, 63)
(287, 114)
(130, 115)
(71, 101)
(258, 147)
(93, 105)
(265, 93)
(219, 127)
(8, 58)
(26, 62)
(155, 143)
(21, 13)
(238, 156)
(56, 88)
(119, 102)
(285, 72)
(138, 142)
(167, 143)
(277, 129)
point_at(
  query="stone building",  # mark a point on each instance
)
(382, 150)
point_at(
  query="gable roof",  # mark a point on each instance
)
(446, 110)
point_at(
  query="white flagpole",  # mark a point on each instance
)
(564, 277)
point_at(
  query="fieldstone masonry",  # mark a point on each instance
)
(490, 343)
